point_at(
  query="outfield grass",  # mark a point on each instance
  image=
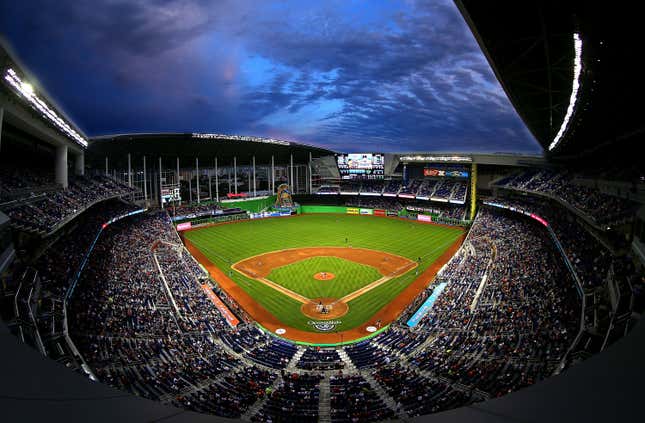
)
(349, 276)
(227, 244)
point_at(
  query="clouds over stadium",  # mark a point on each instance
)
(349, 75)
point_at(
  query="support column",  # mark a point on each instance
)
(311, 184)
(235, 173)
(145, 185)
(1, 119)
(272, 175)
(129, 171)
(190, 190)
(249, 185)
(216, 181)
(177, 180)
(197, 177)
(210, 189)
(107, 170)
(254, 186)
(160, 193)
(61, 165)
(296, 181)
(291, 173)
(228, 173)
(79, 164)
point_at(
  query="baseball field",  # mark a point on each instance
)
(318, 273)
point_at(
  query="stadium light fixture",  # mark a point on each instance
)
(27, 87)
(26, 90)
(577, 70)
(240, 138)
(420, 158)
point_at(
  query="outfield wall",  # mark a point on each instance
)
(254, 205)
(322, 209)
(421, 217)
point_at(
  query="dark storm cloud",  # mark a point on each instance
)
(347, 75)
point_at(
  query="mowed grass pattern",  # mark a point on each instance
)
(348, 277)
(227, 244)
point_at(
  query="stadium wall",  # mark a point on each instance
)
(322, 209)
(255, 205)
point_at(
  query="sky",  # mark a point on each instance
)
(349, 75)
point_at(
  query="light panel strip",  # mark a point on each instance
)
(25, 90)
(577, 70)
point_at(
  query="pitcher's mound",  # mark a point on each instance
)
(324, 309)
(324, 276)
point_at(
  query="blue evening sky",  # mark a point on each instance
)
(349, 75)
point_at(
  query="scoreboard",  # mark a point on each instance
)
(361, 165)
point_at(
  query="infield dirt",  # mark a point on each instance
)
(384, 316)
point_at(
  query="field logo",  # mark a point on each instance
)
(324, 326)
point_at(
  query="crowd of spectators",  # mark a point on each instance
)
(320, 359)
(42, 207)
(143, 322)
(19, 182)
(352, 399)
(416, 394)
(294, 399)
(194, 209)
(326, 189)
(445, 189)
(600, 207)
(509, 311)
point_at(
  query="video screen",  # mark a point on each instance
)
(361, 166)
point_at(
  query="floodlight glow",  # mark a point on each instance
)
(577, 70)
(26, 90)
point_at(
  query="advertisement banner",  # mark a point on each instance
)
(219, 304)
(352, 210)
(426, 306)
(184, 226)
(379, 212)
(392, 213)
(367, 211)
(424, 218)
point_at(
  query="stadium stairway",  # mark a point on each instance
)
(422, 347)
(396, 353)
(257, 406)
(295, 359)
(349, 365)
(324, 401)
(384, 396)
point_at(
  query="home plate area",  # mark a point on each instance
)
(324, 308)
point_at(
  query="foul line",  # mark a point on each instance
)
(364, 290)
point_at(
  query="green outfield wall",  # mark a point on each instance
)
(322, 209)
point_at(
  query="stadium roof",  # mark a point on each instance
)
(531, 48)
(187, 146)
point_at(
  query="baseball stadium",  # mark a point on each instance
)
(433, 272)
